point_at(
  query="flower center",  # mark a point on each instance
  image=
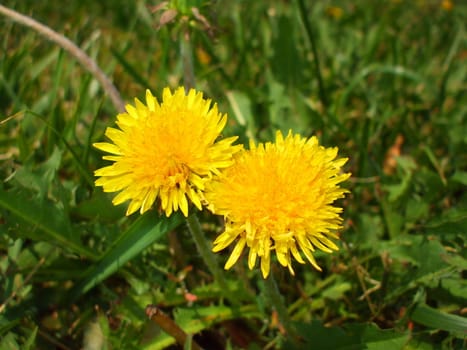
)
(177, 175)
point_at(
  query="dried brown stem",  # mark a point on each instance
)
(169, 326)
(66, 44)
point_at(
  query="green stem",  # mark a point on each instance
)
(276, 301)
(209, 257)
(314, 49)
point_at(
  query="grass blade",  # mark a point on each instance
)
(145, 231)
(434, 318)
(44, 216)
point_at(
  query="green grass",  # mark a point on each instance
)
(393, 75)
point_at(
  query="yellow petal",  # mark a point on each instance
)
(236, 252)
(108, 147)
(252, 259)
(265, 265)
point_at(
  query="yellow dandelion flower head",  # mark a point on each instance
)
(166, 150)
(279, 196)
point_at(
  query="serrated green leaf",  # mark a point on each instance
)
(383, 339)
(420, 261)
(425, 254)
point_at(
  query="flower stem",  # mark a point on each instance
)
(209, 257)
(276, 301)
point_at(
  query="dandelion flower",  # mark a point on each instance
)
(166, 150)
(279, 196)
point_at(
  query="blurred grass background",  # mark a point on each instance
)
(390, 93)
